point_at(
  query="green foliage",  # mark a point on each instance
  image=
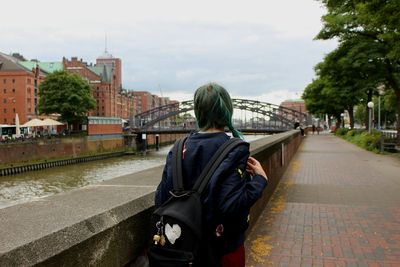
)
(66, 94)
(351, 133)
(362, 138)
(360, 114)
(368, 32)
(341, 131)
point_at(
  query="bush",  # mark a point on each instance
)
(341, 131)
(364, 139)
(371, 141)
(351, 133)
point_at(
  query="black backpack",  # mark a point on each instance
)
(179, 238)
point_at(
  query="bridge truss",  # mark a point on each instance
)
(269, 117)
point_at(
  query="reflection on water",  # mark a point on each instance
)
(28, 186)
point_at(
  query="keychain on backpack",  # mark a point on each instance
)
(157, 237)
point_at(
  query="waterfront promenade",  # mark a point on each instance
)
(337, 205)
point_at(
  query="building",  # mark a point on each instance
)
(295, 104)
(20, 80)
(144, 101)
(101, 81)
(19, 85)
(114, 64)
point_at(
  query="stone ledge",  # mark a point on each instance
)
(106, 224)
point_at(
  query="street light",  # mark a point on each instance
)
(342, 116)
(370, 113)
(381, 89)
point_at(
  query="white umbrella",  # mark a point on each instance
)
(17, 126)
(34, 123)
(51, 122)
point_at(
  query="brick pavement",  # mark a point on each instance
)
(337, 205)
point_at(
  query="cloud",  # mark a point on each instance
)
(256, 46)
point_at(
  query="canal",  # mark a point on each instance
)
(33, 185)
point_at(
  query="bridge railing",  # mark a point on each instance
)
(270, 113)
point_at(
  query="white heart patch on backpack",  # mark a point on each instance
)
(172, 233)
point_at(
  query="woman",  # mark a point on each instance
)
(230, 192)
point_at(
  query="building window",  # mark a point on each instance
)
(13, 120)
(14, 110)
(13, 80)
(5, 100)
(29, 90)
(5, 121)
(13, 90)
(5, 111)
(5, 90)
(29, 81)
(29, 100)
(4, 80)
(102, 107)
(29, 110)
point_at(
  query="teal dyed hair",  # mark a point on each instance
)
(213, 108)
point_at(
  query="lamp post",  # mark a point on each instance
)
(342, 116)
(380, 92)
(370, 113)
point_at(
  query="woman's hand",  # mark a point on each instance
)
(254, 167)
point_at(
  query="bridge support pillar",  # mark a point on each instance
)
(157, 142)
(144, 143)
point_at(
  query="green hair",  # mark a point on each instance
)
(213, 108)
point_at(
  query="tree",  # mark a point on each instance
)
(66, 94)
(319, 99)
(373, 25)
(351, 75)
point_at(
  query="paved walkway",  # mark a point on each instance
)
(337, 205)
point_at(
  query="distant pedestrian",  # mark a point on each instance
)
(313, 128)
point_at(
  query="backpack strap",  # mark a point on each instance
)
(215, 161)
(177, 179)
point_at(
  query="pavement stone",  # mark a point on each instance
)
(337, 205)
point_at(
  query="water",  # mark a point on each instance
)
(29, 186)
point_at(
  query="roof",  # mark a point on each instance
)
(104, 71)
(294, 100)
(10, 63)
(48, 67)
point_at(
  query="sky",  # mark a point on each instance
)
(257, 49)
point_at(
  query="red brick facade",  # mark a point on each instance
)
(104, 125)
(19, 88)
(297, 105)
(19, 94)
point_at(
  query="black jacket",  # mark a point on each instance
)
(229, 194)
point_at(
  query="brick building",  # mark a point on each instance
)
(20, 80)
(18, 90)
(296, 104)
(144, 101)
(115, 65)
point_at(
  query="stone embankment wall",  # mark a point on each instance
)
(107, 224)
(23, 156)
(51, 148)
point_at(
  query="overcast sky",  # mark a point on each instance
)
(257, 49)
